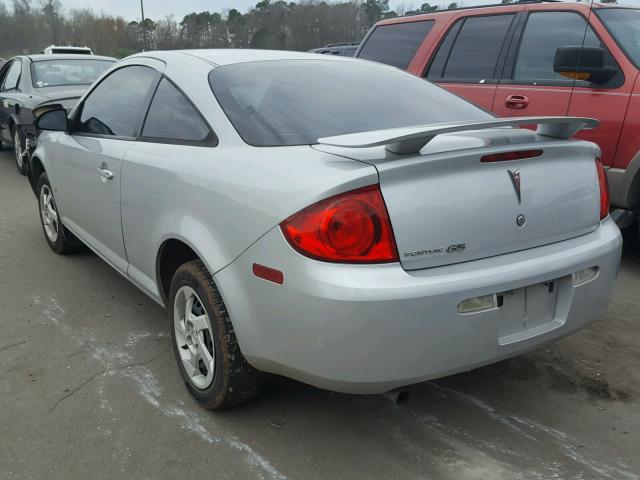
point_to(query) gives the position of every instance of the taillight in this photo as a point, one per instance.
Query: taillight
(508, 156)
(604, 190)
(352, 227)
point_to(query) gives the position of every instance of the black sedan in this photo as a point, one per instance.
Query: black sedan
(32, 81)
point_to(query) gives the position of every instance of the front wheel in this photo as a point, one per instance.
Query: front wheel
(19, 150)
(59, 238)
(209, 358)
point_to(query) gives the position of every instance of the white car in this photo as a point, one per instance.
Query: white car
(333, 220)
(63, 49)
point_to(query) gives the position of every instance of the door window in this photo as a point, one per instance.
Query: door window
(477, 43)
(173, 117)
(544, 33)
(13, 76)
(395, 44)
(115, 107)
(3, 72)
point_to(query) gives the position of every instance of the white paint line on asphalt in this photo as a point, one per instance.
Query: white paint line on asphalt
(572, 451)
(563, 440)
(136, 337)
(115, 362)
(504, 419)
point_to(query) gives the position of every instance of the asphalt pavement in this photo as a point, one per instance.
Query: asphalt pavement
(89, 389)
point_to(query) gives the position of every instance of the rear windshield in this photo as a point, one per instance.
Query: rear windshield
(56, 73)
(624, 26)
(395, 44)
(295, 102)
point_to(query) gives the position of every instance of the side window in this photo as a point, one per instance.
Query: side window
(13, 76)
(473, 47)
(116, 105)
(543, 34)
(395, 44)
(3, 73)
(173, 117)
(592, 40)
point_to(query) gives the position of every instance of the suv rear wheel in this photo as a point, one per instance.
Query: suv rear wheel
(209, 358)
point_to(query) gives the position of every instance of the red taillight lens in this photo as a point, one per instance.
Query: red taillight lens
(352, 227)
(508, 156)
(604, 190)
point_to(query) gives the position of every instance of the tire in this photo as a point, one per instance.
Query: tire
(18, 148)
(60, 239)
(229, 380)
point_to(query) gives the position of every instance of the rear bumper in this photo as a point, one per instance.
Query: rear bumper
(372, 328)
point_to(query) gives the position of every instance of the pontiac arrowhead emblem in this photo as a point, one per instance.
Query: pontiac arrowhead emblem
(515, 179)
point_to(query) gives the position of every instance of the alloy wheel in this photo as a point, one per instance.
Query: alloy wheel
(49, 214)
(17, 145)
(194, 337)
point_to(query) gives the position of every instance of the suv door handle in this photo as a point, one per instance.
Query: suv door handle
(517, 102)
(105, 173)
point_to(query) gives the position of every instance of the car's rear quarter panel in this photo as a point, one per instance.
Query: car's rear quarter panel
(219, 201)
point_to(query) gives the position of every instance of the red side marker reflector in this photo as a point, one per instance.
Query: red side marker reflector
(507, 156)
(266, 273)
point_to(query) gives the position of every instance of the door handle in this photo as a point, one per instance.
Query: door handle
(517, 102)
(105, 173)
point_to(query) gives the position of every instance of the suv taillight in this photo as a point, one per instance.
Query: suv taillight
(604, 190)
(352, 227)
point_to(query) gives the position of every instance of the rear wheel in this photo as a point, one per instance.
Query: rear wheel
(59, 238)
(209, 358)
(19, 150)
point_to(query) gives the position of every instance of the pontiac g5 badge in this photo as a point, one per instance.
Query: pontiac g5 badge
(515, 179)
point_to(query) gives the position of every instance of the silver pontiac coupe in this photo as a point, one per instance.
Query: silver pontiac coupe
(336, 221)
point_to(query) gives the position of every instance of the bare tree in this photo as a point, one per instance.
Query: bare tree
(275, 24)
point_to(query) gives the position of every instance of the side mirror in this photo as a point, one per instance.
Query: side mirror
(52, 118)
(583, 63)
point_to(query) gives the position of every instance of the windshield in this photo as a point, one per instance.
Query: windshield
(295, 102)
(624, 26)
(56, 73)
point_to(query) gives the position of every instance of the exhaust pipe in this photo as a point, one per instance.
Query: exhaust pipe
(398, 396)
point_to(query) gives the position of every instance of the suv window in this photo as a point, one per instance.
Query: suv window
(477, 43)
(116, 105)
(544, 33)
(13, 76)
(624, 25)
(173, 117)
(395, 44)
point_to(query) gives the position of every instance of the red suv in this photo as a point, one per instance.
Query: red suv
(534, 58)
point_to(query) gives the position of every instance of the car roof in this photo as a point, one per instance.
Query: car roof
(67, 56)
(483, 9)
(228, 56)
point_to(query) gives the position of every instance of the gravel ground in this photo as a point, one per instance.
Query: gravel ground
(89, 389)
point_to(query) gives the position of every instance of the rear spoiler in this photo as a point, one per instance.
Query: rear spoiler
(412, 139)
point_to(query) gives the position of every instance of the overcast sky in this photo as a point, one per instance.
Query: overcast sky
(156, 9)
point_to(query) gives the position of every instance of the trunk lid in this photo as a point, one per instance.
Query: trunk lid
(446, 206)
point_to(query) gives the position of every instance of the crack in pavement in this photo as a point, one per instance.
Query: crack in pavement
(75, 390)
(148, 387)
(7, 347)
(105, 371)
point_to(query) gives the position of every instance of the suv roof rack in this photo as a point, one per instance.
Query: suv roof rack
(417, 12)
(342, 44)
